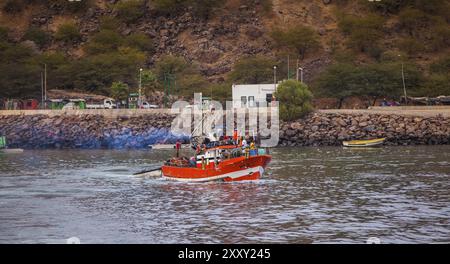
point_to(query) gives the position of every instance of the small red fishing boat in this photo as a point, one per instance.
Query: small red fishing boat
(220, 163)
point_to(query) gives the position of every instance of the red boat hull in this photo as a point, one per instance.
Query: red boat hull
(235, 169)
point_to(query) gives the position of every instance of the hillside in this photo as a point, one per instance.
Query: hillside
(208, 38)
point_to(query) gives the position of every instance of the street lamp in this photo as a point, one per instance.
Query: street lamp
(301, 74)
(403, 80)
(275, 75)
(140, 88)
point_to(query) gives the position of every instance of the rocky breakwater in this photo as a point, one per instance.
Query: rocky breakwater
(85, 131)
(326, 129)
(317, 129)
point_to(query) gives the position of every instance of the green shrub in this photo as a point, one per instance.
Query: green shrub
(140, 41)
(253, 70)
(434, 85)
(149, 81)
(68, 32)
(39, 36)
(413, 21)
(109, 23)
(386, 6)
(411, 46)
(200, 8)
(184, 77)
(219, 91)
(302, 39)
(13, 6)
(431, 30)
(295, 100)
(167, 5)
(4, 34)
(104, 41)
(442, 66)
(170, 64)
(364, 33)
(267, 6)
(187, 84)
(439, 37)
(131, 10)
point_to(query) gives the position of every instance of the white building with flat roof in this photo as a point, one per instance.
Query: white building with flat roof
(250, 95)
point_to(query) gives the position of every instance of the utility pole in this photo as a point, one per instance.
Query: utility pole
(275, 76)
(42, 90)
(301, 74)
(288, 66)
(403, 81)
(45, 85)
(140, 89)
(404, 86)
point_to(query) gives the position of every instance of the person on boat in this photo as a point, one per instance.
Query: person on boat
(244, 143)
(252, 145)
(203, 163)
(198, 149)
(192, 161)
(235, 136)
(178, 147)
(203, 148)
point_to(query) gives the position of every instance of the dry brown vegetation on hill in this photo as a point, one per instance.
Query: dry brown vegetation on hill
(88, 45)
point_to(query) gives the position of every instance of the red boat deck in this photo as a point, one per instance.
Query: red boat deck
(233, 169)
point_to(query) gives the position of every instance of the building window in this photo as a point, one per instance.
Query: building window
(243, 101)
(269, 98)
(251, 101)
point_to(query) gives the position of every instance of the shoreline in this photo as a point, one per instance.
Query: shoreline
(143, 128)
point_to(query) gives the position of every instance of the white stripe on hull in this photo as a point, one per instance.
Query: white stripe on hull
(233, 175)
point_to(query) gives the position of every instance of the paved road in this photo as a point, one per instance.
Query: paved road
(425, 111)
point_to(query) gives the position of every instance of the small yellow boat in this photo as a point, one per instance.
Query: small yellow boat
(364, 143)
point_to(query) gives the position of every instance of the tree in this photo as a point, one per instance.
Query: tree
(140, 41)
(200, 8)
(104, 41)
(253, 70)
(38, 36)
(119, 91)
(149, 81)
(435, 85)
(371, 81)
(338, 81)
(220, 91)
(3, 34)
(376, 80)
(302, 39)
(363, 33)
(68, 32)
(13, 6)
(295, 99)
(170, 64)
(130, 11)
(413, 21)
(98, 72)
(442, 66)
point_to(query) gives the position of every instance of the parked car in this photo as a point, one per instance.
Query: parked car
(105, 104)
(147, 105)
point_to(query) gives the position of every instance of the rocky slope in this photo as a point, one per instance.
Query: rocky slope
(239, 29)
